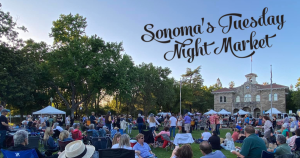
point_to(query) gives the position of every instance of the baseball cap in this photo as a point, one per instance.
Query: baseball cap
(4, 110)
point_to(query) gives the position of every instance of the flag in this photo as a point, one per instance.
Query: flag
(251, 58)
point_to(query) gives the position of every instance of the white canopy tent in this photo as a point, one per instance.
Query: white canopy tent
(49, 110)
(241, 112)
(210, 112)
(274, 111)
(224, 112)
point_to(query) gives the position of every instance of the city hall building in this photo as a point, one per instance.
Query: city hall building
(251, 97)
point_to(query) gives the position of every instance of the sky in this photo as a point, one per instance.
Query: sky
(124, 21)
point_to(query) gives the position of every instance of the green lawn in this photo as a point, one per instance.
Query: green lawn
(162, 153)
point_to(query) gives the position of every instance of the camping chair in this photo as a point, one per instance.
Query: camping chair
(266, 154)
(33, 142)
(101, 142)
(48, 151)
(161, 139)
(89, 135)
(148, 137)
(121, 131)
(62, 144)
(31, 153)
(116, 153)
(286, 156)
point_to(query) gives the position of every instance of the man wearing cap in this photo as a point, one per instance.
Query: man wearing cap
(3, 126)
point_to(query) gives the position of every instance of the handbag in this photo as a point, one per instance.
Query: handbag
(293, 129)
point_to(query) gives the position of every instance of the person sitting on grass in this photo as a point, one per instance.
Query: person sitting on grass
(184, 151)
(282, 148)
(228, 142)
(64, 136)
(205, 135)
(235, 135)
(143, 147)
(238, 126)
(206, 150)
(241, 137)
(284, 129)
(124, 143)
(214, 141)
(252, 145)
(159, 135)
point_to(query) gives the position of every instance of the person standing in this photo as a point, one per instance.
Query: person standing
(173, 125)
(108, 120)
(59, 120)
(1, 107)
(267, 127)
(42, 119)
(140, 122)
(187, 123)
(50, 121)
(4, 127)
(179, 123)
(259, 121)
(217, 121)
(212, 122)
(68, 122)
(93, 118)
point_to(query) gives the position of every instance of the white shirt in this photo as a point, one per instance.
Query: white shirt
(67, 120)
(42, 119)
(206, 135)
(59, 128)
(152, 124)
(173, 121)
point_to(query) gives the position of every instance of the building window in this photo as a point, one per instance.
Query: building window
(269, 97)
(224, 99)
(220, 99)
(237, 99)
(258, 98)
(275, 97)
(247, 98)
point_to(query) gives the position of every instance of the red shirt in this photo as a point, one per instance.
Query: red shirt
(235, 136)
(217, 119)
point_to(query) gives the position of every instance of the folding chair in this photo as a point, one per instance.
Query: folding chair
(31, 153)
(62, 144)
(89, 135)
(148, 137)
(116, 153)
(101, 142)
(266, 154)
(33, 142)
(48, 151)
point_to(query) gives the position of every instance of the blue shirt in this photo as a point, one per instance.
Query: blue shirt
(217, 154)
(259, 122)
(51, 143)
(187, 119)
(95, 133)
(247, 120)
(238, 127)
(140, 120)
(67, 139)
(293, 124)
(145, 149)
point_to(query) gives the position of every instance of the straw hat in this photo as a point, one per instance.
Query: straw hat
(77, 149)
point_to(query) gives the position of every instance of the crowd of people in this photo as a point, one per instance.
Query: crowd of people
(255, 136)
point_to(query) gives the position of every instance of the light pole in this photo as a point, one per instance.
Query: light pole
(51, 99)
(183, 79)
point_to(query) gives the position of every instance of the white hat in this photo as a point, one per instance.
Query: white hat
(77, 149)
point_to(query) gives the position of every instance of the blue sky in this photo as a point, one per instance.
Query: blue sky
(124, 21)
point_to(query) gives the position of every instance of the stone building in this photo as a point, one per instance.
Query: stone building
(251, 97)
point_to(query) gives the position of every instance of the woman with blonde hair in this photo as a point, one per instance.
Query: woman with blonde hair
(179, 123)
(48, 140)
(125, 144)
(64, 136)
(152, 123)
(116, 139)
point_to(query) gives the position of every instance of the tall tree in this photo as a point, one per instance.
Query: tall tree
(80, 65)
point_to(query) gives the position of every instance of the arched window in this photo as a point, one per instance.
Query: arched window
(237, 99)
(258, 98)
(269, 97)
(224, 99)
(220, 99)
(247, 98)
(275, 97)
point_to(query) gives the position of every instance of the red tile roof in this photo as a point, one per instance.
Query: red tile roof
(274, 85)
(224, 90)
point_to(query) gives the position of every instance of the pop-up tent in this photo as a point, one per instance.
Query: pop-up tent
(274, 111)
(49, 110)
(210, 112)
(224, 112)
(242, 112)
